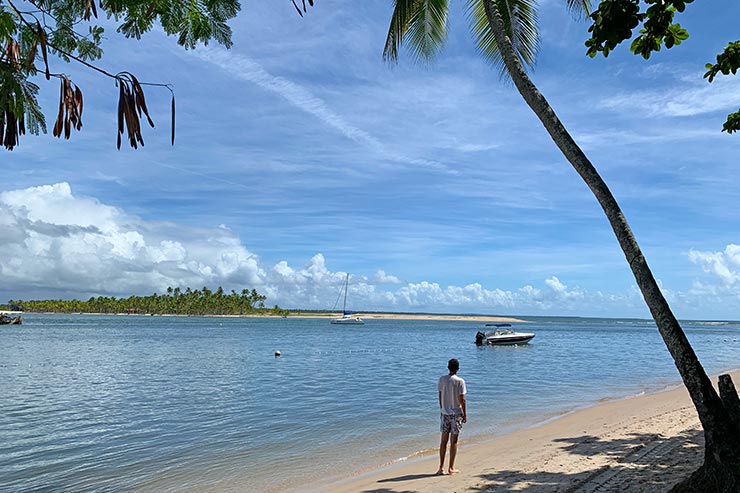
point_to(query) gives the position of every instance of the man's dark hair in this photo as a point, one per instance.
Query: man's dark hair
(453, 365)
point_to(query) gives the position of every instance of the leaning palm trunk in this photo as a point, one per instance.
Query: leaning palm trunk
(722, 437)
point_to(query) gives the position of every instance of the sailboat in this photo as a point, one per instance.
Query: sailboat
(347, 318)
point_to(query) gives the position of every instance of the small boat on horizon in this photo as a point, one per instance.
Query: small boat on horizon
(6, 320)
(502, 335)
(347, 318)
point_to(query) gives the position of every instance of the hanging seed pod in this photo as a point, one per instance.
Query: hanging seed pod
(139, 99)
(57, 131)
(90, 9)
(70, 109)
(310, 2)
(42, 40)
(11, 54)
(11, 127)
(32, 54)
(173, 119)
(120, 112)
(131, 107)
(78, 105)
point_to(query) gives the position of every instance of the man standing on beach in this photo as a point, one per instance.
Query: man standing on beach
(452, 392)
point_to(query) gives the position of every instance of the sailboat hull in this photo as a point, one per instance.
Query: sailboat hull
(348, 321)
(347, 318)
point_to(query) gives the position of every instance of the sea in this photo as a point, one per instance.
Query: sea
(163, 404)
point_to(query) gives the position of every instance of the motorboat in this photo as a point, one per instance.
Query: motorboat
(503, 334)
(6, 320)
(347, 318)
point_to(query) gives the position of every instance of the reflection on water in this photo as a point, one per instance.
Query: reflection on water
(178, 403)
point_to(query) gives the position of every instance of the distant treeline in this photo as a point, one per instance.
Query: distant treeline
(175, 302)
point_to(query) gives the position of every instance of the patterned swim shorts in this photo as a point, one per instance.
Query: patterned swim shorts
(450, 423)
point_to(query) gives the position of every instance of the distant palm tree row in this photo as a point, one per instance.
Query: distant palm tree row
(176, 302)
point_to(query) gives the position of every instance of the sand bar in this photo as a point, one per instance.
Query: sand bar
(325, 315)
(418, 316)
(641, 444)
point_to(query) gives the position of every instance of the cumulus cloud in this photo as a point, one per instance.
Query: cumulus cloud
(50, 238)
(725, 265)
(556, 285)
(382, 278)
(561, 290)
(54, 241)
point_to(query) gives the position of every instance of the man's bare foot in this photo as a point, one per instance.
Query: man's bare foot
(440, 472)
(453, 471)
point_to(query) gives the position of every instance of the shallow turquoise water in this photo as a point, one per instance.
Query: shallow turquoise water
(111, 403)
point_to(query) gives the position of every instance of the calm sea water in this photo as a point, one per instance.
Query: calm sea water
(112, 403)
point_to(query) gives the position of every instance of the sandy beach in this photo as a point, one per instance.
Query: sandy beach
(327, 315)
(642, 444)
(426, 316)
(418, 316)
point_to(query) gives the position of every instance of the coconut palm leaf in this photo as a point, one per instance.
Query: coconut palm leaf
(579, 8)
(520, 19)
(420, 23)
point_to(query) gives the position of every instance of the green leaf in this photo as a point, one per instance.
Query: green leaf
(422, 24)
(520, 19)
(8, 24)
(733, 123)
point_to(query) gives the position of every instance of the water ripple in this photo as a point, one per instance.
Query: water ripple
(176, 404)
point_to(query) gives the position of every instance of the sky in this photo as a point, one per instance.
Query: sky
(301, 156)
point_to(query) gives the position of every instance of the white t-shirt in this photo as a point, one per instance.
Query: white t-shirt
(451, 387)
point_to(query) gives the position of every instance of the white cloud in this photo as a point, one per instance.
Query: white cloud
(431, 296)
(696, 98)
(562, 292)
(300, 97)
(724, 265)
(54, 241)
(382, 278)
(556, 285)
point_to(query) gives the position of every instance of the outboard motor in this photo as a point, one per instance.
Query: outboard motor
(480, 338)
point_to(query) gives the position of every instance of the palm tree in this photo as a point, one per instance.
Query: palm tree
(506, 33)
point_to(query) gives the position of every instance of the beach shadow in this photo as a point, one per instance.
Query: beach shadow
(640, 463)
(587, 445)
(408, 477)
(383, 490)
(630, 449)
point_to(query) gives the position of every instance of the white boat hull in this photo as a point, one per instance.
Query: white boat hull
(348, 321)
(517, 338)
(501, 337)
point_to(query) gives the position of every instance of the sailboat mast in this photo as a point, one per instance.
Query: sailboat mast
(346, 287)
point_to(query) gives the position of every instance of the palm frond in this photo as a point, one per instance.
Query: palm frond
(580, 9)
(397, 30)
(520, 18)
(420, 23)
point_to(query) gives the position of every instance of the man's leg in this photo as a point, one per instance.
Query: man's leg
(442, 451)
(453, 453)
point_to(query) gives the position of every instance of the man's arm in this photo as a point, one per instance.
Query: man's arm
(440, 399)
(464, 409)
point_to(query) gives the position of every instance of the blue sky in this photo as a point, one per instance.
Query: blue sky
(301, 156)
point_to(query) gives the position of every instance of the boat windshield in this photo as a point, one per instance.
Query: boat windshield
(500, 332)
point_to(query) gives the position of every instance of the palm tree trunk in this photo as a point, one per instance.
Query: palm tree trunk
(721, 436)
